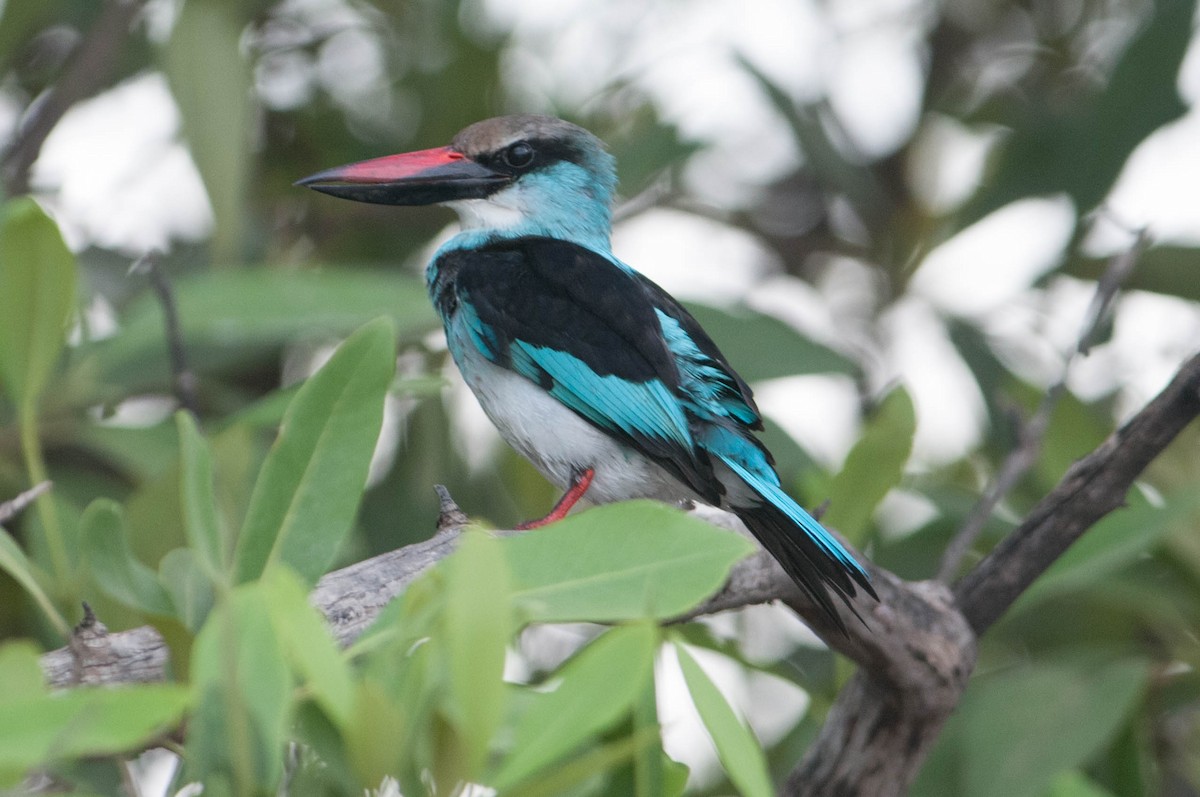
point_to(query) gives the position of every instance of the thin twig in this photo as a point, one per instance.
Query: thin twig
(1119, 268)
(1090, 489)
(182, 377)
(1024, 455)
(15, 506)
(654, 195)
(450, 516)
(86, 73)
(1032, 433)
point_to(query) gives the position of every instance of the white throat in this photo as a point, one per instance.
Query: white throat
(489, 214)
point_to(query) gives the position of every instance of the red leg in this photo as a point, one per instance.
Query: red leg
(580, 482)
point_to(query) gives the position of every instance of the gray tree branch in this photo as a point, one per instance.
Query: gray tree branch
(917, 657)
(87, 71)
(1031, 433)
(1091, 488)
(19, 503)
(183, 378)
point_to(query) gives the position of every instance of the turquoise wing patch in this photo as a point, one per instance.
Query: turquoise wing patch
(640, 409)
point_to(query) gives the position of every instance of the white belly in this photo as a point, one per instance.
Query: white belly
(558, 442)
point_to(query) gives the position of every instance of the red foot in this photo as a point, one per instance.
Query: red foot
(580, 482)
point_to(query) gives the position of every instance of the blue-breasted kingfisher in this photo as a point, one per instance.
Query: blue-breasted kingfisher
(591, 371)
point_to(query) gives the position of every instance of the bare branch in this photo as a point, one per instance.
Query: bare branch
(915, 663)
(87, 71)
(94, 656)
(654, 195)
(1120, 266)
(183, 378)
(450, 517)
(15, 506)
(1032, 433)
(916, 654)
(352, 597)
(1091, 488)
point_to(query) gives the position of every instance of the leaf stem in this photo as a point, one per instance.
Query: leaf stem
(35, 464)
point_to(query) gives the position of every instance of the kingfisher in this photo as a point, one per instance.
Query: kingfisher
(587, 368)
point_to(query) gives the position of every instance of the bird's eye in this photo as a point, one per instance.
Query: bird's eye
(519, 155)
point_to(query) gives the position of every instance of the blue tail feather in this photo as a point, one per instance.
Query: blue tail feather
(813, 557)
(748, 461)
(808, 524)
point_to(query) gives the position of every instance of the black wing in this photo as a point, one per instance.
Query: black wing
(586, 330)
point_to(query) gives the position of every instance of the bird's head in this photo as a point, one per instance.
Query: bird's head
(508, 176)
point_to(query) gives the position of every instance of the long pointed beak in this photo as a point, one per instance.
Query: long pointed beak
(426, 177)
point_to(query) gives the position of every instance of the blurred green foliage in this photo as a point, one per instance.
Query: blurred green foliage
(213, 527)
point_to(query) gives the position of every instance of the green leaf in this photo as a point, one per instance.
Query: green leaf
(477, 623)
(873, 466)
(323, 767)
(21, 674)
(381, 733)
(190, 589)
(761, 347)
(595, 688)
(19, 24)
(739, 752)
(1117, 541)
(37, 298)
(311, 649)
(1075, 428)
(236, 317)
(1075, 784)
(675, 777)
(310, 485)
(1079, 143)
(114, 567)
(567, 778)
(215, 105)
(141, 453)
(627, 561)
(654, 773)
(85, 721)
(643, 145)
(14, 562)
(198, 500)
(1007, 717)
(242, 689)
(404, 621)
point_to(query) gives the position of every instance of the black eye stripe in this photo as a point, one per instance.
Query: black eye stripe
(529, 154)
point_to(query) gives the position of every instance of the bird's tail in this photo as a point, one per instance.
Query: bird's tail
(813, 557)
